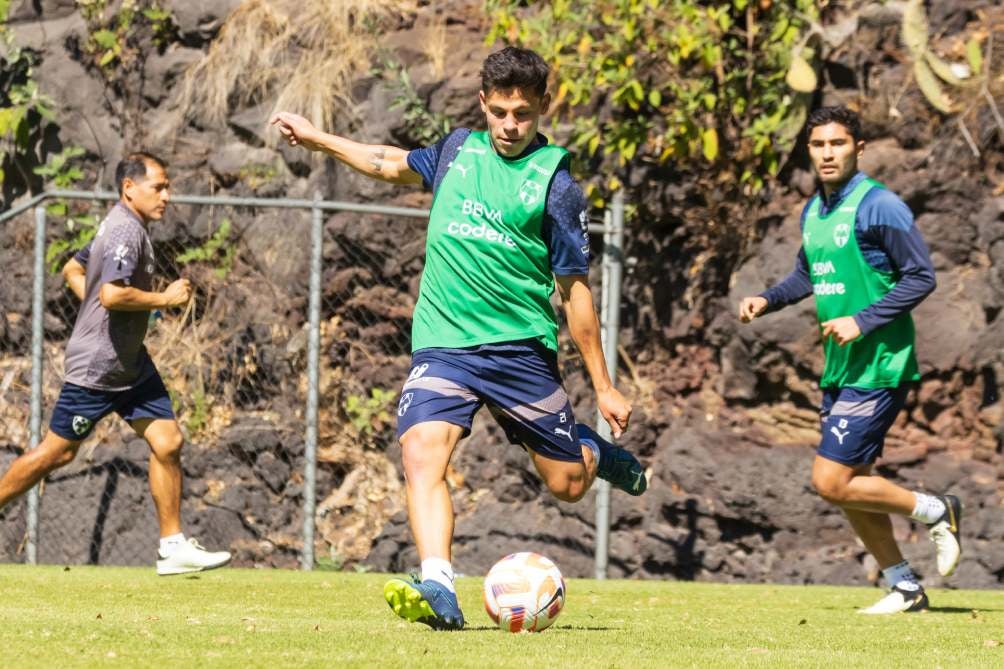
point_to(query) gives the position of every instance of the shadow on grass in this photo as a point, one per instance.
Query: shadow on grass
(933, 609)
(557, 628)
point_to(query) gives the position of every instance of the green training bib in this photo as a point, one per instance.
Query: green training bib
(844, 284)
(487, 276)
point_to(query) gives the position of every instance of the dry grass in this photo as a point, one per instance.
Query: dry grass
(435, 46)
(301, 54)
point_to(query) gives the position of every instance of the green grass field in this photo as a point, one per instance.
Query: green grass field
(89, 616)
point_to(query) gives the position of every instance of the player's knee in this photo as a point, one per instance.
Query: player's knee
(63, 455)
(168, 447)
(568, 487)
(58, 454)
(832, 489)
(421, 459)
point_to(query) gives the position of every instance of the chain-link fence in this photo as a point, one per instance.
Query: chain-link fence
(283, 371)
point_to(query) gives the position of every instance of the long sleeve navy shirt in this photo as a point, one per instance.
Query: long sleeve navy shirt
(889, 242)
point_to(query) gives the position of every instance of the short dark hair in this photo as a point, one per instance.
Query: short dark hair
(513, 67)
(134, 165)
(836, 114)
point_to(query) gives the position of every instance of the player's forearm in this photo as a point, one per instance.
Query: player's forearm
(125, 298)
(373, 160)
(75, 276)
(792, 289)
(584, 327)
(909, 292)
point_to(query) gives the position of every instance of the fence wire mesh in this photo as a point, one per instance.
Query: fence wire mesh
(236, 364)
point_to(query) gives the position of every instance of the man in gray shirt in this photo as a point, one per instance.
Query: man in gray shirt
(108, 368)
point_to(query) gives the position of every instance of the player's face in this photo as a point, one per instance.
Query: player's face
(148, 196)
(512, 117)
(834, 153)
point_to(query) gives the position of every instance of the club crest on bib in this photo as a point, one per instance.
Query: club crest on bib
(841, 235)
(81, 425)
(530, 193)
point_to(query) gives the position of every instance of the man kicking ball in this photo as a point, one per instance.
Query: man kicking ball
(507, 223)
(867, 264)
(107, 366)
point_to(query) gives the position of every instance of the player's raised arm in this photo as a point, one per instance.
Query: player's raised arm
(386, 163)
(115, 296)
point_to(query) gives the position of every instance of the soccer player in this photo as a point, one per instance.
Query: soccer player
(507, 223)
(867, 264)
(108, 368)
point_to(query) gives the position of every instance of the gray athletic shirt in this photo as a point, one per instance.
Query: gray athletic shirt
(106, 350)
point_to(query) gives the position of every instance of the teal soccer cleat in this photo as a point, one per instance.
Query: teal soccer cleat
(616, 465)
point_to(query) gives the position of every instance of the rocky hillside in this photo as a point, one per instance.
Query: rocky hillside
(726, 415)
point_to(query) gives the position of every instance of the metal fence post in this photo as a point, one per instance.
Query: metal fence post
(613, 239)
(37, 335)
(313, 375)
(259, 390)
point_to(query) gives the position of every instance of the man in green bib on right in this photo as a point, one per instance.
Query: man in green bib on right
(868, 267)
(507, 228)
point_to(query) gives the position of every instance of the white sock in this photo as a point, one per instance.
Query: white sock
(170, 543)
(901, 575)
(438, 570)
(928, 508)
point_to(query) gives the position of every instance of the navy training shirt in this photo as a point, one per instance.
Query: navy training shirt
(889, 242)
(564, 227)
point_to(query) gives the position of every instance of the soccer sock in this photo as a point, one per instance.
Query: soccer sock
(169, 544)
(438, 570)
(594, 447)
(902, 576)
(928, 508)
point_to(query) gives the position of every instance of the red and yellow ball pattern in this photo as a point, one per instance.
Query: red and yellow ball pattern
(524, 592)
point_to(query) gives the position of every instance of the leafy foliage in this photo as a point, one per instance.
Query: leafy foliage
(700, 85)
(425, 127)
(25, 114)
(369, 414)
(62, 171)
(219, 250)
(116, 40)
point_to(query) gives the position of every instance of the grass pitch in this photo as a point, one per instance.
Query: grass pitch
(129, 617)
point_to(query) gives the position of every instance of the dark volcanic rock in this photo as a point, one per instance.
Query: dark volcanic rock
(725, 415)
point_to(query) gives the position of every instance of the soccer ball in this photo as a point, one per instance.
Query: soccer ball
(524, 592)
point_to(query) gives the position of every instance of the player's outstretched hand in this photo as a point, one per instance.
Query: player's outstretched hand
(751, 307)
(178, 293)
(615, 410)
(844, 329)
(296, 130)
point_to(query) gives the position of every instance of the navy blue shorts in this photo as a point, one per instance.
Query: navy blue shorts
(855, 422)
(521, 387)
(78, 409)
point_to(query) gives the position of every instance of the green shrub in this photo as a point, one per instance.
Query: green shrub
(700, 85)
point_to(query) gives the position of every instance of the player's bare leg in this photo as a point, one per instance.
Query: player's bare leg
(176, 555)
(52, 453)
(568, 481)
(426, 449)
(867, 501)
(856, 488)
(165, 440)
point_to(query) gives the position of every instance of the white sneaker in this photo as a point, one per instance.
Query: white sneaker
(899, 600)
(946, 535)
(190, 557)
